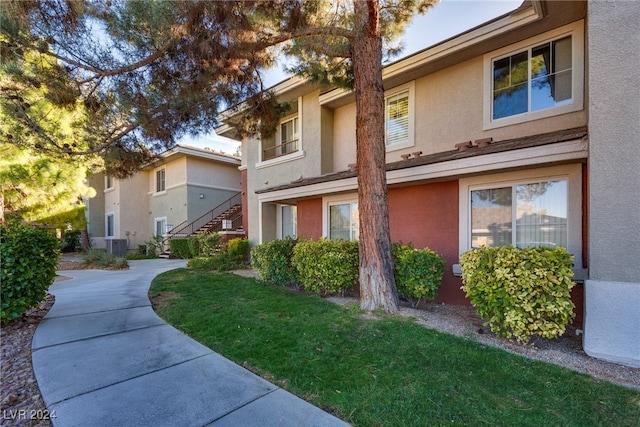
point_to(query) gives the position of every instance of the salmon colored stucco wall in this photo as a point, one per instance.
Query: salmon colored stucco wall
(245, 202)
(310, 218)
(427, 216)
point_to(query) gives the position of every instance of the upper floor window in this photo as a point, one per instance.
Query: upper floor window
(534, 79)
(286, 138)
(398, 121)
(160, 180)
(108, 182)
(537, 78)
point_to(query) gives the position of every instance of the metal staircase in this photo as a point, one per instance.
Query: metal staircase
(226, 217)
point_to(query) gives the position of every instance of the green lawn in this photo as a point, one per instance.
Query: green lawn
(381, 372)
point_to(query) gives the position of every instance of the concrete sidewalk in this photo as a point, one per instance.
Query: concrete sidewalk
(103, 358)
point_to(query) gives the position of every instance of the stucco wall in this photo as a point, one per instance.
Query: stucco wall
(449, 108)
(427, 216)
(612, 293)
(214, 175)
(134, 210)
(310, 218)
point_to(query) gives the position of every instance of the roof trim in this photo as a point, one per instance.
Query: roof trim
(565, 145)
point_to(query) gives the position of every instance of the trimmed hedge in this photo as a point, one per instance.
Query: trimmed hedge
(28, 259)
(238, 249)
(326, 266)
(418, 272)
(180, 248)
(272, 261)
(522, 292)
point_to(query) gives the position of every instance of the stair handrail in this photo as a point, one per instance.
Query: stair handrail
(193, 226)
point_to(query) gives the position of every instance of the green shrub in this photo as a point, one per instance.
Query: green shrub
(208, 244)
(326, 266)
(180, 248)
(219, 262)
(418, 272)
(28, 259)
(522, 292)
(272, 261)
(70, 241)
(238, 250)
(194, 246)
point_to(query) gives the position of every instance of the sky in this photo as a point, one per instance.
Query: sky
(447, 19)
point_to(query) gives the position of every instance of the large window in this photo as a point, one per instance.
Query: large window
(533, 79)
(343, 221)
(522, 214)
(536, 78)
(160, 180)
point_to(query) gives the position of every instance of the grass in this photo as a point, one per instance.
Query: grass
(387, 371)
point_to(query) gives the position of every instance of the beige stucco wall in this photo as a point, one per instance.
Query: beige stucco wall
(449, 106)
(134, 210)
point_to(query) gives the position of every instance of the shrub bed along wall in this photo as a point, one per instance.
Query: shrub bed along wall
(521, 292)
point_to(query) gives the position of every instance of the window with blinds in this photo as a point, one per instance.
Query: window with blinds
(397, 118)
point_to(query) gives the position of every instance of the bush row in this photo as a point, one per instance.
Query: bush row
(331, 267)
(28, 259)
(522, 292)
(208, 252)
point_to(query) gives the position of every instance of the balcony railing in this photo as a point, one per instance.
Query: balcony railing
(280, 150)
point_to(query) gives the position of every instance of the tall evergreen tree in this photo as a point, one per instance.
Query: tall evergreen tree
(147, 72)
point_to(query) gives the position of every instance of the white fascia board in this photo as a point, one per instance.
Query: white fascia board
(204, 154)
(347, 184)
(560, 152)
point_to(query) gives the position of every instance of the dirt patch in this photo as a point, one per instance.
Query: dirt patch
(160, 300)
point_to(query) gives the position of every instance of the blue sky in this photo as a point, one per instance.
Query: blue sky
(445, 20)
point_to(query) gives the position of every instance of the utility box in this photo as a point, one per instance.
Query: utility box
(117, 247)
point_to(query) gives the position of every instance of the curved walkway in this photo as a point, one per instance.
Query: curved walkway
(102, 357)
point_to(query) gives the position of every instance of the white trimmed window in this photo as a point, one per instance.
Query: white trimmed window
(286, 144)
(108, 182)
(534, 79)
(343, 221)
(399, 117)
(288, 221)
(522, 214)
(110, 225)
(160, 180)
(160, 226)
(527, 208)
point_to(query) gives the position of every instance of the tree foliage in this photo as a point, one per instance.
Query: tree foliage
(145, 72)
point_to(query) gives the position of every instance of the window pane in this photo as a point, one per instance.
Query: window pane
(551, 74)
(541, 214)
(289, 214)
(491, 217)
(110, 226)
(344, 222)
(510, 92)
(160, 186)
(397, 118)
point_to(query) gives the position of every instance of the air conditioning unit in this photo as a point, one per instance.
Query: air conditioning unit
(117, 247)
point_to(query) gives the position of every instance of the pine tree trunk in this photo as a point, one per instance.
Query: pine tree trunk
(377, 283)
